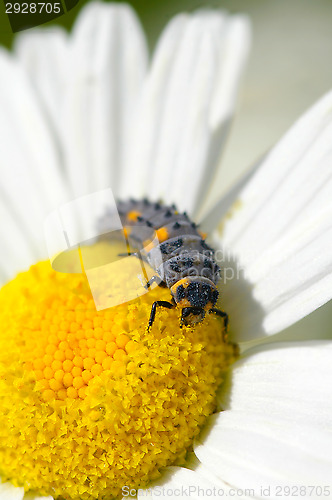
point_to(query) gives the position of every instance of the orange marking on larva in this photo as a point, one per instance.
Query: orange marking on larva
(133, 215)
(162, 234)
(204, 235)
(184, 282)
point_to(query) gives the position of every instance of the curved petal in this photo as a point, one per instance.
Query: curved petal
(211, 219)
(187, 101)
(276, 430)
(107, 67)
(31, 180)
(280, 231)
(17, 253)
(44, 55)
(287, 379)
(196, 484)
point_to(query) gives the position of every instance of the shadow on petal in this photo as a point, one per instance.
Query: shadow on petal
(246, 315)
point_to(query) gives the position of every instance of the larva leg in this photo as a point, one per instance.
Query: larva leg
(160, 303)
(155, 279)
(222, 314)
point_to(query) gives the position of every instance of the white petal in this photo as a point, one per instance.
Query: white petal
(187, 101)
(277, 428)
(288, 379)
(10, 492)
(182, 483)
(108, 63)
(17, 253)
(281, 228)
(44, 55)
(30, 173)
(252, 450)
(210, 220)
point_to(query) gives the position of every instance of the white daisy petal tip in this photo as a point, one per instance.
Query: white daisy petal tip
(25, 43)
(103, 15)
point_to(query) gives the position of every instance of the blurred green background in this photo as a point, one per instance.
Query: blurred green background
(289, 69)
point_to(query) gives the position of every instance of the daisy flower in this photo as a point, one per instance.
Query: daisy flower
(92, 404)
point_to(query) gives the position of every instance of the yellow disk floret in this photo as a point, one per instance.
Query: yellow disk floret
(90, 401)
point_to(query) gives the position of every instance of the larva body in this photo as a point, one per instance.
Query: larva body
(173, 246)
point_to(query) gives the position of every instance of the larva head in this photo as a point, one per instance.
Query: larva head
(196, 295)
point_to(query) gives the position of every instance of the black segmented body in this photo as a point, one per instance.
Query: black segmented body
(180, 255)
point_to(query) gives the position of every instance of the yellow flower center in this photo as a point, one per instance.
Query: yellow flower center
(91, 401)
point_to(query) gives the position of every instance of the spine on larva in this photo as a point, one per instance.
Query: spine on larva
(180, 250)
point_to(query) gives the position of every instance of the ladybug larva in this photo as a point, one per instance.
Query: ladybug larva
(180, 257)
